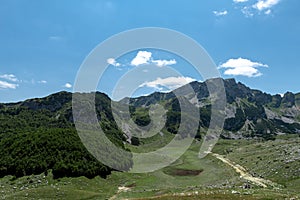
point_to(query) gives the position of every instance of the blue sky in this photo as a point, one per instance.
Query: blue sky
(43, 43)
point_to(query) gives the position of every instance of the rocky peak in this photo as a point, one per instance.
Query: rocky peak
(288, 100)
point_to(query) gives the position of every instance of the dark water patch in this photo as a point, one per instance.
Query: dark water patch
(182, 172)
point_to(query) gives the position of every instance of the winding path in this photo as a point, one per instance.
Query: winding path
(244, 174)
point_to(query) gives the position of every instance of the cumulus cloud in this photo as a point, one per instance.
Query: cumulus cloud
(171, 83)
(220, 13)
(142, 57)
(113, 62)
(265, 4)
(162, 63)
(68, 85)
(145, 57)
(242, 67)
(9, 77)
(7, 85)
(8, 81)
(261, 6)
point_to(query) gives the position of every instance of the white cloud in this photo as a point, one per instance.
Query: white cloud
(145, 57)
(42, 81)
(265, 4)
(239, 1)
(220, 13)
(247, 11)
(242, 67)
(261, 6)
(170, 83)
(113, 62)
(9, 77)
(162, 63)
(68, 85)
(6, 85)
(267, 12)
(142, 57)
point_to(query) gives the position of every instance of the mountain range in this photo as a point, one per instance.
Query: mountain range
(38, 135)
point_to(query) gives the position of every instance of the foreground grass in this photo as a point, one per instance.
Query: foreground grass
(215, 179)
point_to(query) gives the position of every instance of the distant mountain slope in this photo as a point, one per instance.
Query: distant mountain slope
(249, 112)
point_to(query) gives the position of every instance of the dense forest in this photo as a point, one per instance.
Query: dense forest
(38, 135)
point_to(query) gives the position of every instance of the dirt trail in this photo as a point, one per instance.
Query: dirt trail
(120, 189)
(244, 174)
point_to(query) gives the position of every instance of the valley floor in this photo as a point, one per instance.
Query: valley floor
(236, 169)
